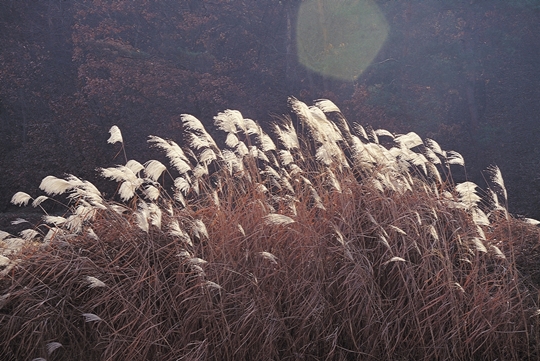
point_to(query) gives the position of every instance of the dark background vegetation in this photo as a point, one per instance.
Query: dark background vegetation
(464, 73)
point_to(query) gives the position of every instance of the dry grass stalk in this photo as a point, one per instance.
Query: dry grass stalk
(288, 263)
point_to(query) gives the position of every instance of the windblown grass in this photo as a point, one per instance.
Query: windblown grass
(321, 245)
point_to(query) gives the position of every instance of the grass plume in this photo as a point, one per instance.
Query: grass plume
(310, 243)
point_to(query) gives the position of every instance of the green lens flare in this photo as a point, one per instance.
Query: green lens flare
(339, 38)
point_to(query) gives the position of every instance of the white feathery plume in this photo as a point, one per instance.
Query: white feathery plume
(360, 154)
(497, 251)
(254, 151)
(229, 121)
(175, 230)
(435, 147)
(316, 198)
(495, 200)
(433, 232)
(199, 138)
(51, 346)
(259, 154)
(90, 193)
(326, 106)
(74, 181)
(333, 181)
(213, 285)
(127, 190)
(241, 149)
(182, 185)
(197, 261)
(119, 209)
(458, 287)
(39, 200)
(155, 215)
(116, 135)
(359, 129)
(307, 118)
(481, 233)
(380, 154)
(372, 136)
(52, 185)
(82, 213)
(479, 217)
(241, 229)
(398, 230)
(251, 127)
(3, 299)
(198, 270)
(277, 219)
(295, 170)
(431, 156)
(479, 245)
(4, 235)
(234, 163)
(497, 178)
(269, 256)
(28, 234)
(134, 166)
(324, 155)
(199, 171)
(94, 282)
(154, 169)
(532, 221)
(52, 233)
(184, 254)
(191, 123)
(285, 157)
(195, 182)
(120, 173)
(199, 229)
(467, 193)
(4, 261)
(198, 142)
(329, 129)
(433, 172)
(384, 133)
(271, 172)
(13, 245)
(54, 220)
(141, 217)
(287, 135)
(151, 192)
(409, 140)
(420, 161)
(267, 144)
(90, 232)
(175, 154)
(130, 182)
(455, 158)
(207, 155)
(232, 140)
(90, 317)
(20, 199)
(394, 259)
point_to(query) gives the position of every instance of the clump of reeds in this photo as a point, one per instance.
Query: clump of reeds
(304, 245)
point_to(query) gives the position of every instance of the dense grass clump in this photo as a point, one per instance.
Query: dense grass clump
(321, 246)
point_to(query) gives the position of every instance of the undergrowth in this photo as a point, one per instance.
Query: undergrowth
(318, 243)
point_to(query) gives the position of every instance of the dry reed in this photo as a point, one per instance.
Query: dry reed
(322, 246)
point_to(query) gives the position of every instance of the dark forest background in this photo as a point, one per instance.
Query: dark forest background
(465, 73)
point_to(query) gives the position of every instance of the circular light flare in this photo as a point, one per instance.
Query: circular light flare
(339, 38)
